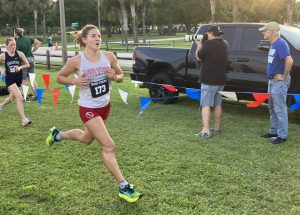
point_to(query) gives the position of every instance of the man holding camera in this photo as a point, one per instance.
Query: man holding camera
(213, 54)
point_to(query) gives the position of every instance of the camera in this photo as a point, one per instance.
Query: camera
(200, 37)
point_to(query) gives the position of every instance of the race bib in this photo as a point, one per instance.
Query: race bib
(99, 88)
(12, 69)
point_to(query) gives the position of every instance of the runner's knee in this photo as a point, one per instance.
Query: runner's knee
(86, 141)
(109, 146)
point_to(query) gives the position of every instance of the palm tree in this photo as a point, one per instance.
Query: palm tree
(35, 6)
(213, 9)
(145, 4)
(18, 5)
(46, 5)
(124, 18)
(99, 14)
(132, 4)
(290, 4)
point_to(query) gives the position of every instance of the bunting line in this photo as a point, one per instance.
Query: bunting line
(192, 93)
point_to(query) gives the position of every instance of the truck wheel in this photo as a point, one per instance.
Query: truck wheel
(160, 94)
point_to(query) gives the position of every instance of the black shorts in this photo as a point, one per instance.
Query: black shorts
(10, 80)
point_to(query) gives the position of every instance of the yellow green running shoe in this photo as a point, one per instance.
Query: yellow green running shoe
(52, 136)
(129, 194)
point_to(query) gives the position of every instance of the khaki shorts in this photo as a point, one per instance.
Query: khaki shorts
(25, 72)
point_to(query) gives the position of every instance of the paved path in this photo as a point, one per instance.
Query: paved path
(124, 58)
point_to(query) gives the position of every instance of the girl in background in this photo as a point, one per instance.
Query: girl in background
(14, 62)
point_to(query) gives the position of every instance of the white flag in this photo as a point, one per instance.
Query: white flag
(136, 83)
(32, 79)
(72, 89)
(231, 95)
(25, 91)
(123, 96)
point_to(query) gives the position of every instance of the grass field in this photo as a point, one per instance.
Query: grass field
(235, 172)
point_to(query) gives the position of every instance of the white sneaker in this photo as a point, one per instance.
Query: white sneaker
(202, 134)
(26, 122)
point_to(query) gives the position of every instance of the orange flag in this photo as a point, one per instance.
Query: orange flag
(260, 98)
(55, 94)
(169, 87)
(46, 78)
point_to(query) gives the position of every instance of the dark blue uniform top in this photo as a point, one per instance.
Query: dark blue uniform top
(12, 76)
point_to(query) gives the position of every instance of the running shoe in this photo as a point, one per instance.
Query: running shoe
(268, 135)
(26, 122)
(203, 134)
(129, 194)
(52, 136)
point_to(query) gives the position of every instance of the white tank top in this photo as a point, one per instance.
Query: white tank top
(97, 94)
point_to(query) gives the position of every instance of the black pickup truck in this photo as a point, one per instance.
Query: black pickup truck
(247, 63)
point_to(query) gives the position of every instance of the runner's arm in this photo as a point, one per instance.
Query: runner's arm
(70, 67)
(118, 75)
(2, 58)
(36, 44)
(25, 62)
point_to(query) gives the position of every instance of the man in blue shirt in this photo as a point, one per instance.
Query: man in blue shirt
(279, 66)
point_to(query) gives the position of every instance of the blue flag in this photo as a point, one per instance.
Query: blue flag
(3, 78)
(39, 95)
(67, 87)
(296, 106)
(193, 93)
(145, 102)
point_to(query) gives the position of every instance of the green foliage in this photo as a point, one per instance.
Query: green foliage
(161, 13)
(231, 173)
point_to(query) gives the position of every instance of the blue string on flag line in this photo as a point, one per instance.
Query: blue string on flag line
(241, 92)
(157, 84)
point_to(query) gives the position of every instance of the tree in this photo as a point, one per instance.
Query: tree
(19, 7)
(213, 9)
(145, 4)
(289, 7)
(46, 9)
(164, 12)
(124, 18)
(99, 14)
(189, 15)
(132, 4)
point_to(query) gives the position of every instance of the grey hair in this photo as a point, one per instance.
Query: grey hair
(276, 33)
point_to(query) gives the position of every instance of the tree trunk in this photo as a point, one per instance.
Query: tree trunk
(213, 10)
(235, 10)
(119, 13)
(99, 15)
(125, 19)
(35, 12)
(44, 24)
(133, 14)
(144, 21)
(18, 21)
(188, 28)
(290, 12)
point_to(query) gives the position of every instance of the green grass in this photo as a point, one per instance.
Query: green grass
(232, 173)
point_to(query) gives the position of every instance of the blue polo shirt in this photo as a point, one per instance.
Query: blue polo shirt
(276, 57)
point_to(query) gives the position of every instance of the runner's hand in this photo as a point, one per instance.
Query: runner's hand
(81, 82)
(17, 69)
(111, 74)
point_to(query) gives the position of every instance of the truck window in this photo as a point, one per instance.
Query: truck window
(250, 39)
(229, 34)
